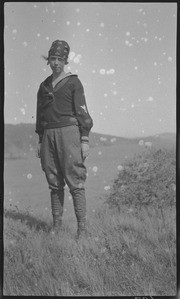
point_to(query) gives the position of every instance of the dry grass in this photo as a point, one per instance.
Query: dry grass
(123, 255)
(129, 251)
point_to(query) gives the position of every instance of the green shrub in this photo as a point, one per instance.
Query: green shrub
(147, 179)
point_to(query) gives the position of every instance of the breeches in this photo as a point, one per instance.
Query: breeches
(61, 159)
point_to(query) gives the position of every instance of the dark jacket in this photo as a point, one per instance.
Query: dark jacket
(63, 105)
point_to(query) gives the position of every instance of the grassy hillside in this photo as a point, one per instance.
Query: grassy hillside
(130, 249)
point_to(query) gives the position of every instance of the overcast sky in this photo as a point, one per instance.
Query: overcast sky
(123, 53)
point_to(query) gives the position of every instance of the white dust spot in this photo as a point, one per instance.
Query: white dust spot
(99, 153)
(120, 167)
(47, 37)
(25, 44)
(102, 25)
(155, 63)
(173, 186)
(77, 9)
(77, 58)
(78, 23)
(14, 31)
(71, 55)
(10, 199)
(23, 111)
(111, 71)
(103, 250)
(46, 208)
(102, 71)
(29, 176)
(122, 99)
(53, 11)
(87, 30)
(135, 67)
(107, 188)
(170, 59)
(148, 143)
(80, 185)
(115, 92)
(128, 33)
(141, 142)
(38, 34)
(106, 106)
(68, 23)
(132, 106)
(123, 187)
(103, 138)
(150, 99)
(113, 139)
(145, 39)
(127, 42)
(140, 10)
(95, 169)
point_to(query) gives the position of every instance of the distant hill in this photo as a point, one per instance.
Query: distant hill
(21, 138)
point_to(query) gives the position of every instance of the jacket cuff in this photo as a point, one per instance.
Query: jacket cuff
(85, 139)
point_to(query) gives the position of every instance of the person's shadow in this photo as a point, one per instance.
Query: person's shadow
(28, 219)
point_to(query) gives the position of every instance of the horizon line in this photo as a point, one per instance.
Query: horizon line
(113, 135)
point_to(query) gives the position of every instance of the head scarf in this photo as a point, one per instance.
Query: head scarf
(59, 48)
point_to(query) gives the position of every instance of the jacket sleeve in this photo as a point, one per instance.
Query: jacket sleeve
(39, 129)
(81, 111)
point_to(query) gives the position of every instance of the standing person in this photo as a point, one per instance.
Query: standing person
(63, 124)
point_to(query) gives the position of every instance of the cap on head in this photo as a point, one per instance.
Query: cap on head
(59, 48)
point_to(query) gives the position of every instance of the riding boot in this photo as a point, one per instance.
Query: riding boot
(79, 201)
(57, 203)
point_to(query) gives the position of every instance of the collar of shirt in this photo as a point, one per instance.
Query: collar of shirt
(61, 77)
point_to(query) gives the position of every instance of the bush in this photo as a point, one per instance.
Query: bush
(147, 179)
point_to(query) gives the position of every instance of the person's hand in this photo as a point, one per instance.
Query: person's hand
(85, 150)
(38, 149)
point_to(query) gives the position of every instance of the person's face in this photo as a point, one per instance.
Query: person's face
(57, 64)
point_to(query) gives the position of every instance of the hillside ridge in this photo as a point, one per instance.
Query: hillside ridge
(21, 138)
